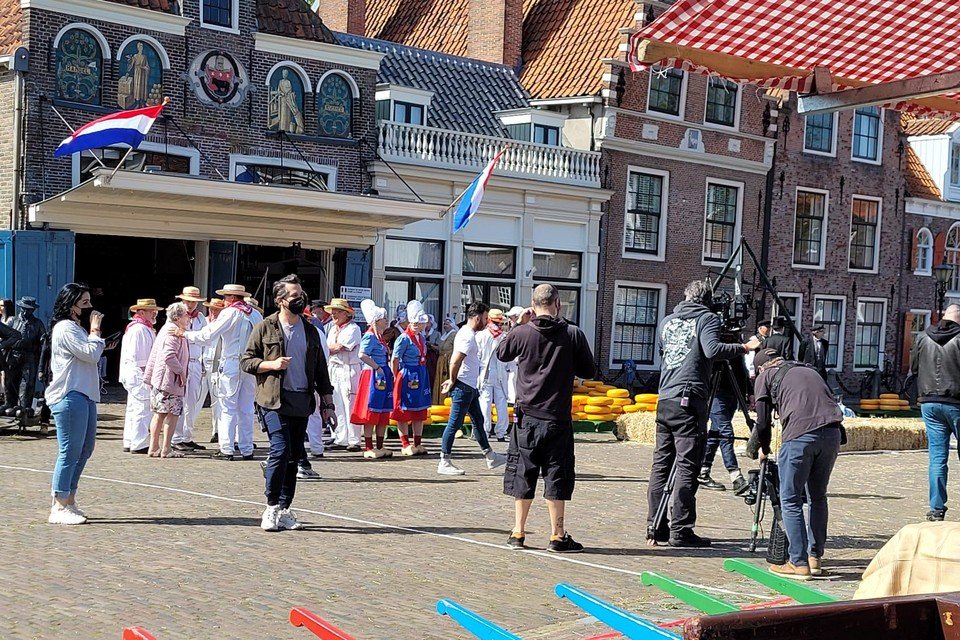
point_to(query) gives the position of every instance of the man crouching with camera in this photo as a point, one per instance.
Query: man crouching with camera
(812, 433)
(690, 342)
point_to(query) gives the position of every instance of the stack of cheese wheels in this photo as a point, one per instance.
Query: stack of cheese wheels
(619, 399)
(886, 402)
(645, 401)
(579, 402)
(598, 408)
(439, 413)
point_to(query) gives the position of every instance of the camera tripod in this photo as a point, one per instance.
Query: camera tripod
(720, 369)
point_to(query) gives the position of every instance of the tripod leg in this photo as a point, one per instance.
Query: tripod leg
(758, 506)
(660, 517)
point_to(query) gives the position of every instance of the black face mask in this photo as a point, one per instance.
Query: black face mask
(85, 314)
(297, 306)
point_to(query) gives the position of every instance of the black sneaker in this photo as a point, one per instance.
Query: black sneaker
(566, 544)
(195, 446)
(248, 457)
(353, 448)
(214, 439)
(141, 452)
(219, 455)
(936, 515)
(514, 542)
(126, 449)
(709, 483)
(689, 539)
(740, 486)
(182, 447)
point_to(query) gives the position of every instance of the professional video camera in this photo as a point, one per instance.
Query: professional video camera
(733, 309)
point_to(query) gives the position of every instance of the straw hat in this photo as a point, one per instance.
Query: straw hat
(515, 312)
(215, 303)
(496, 315)
(191, 294)
(339, 303)
(253, 302)
(145, 304)
(234, 290)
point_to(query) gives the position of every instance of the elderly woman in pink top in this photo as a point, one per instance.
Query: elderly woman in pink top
(166, 374)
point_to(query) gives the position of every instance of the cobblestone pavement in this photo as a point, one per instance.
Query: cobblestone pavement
(175, 545)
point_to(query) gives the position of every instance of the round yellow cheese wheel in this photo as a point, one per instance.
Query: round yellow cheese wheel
(579, 415)
(592, 383)
(620, 402)
(647, 407)
(599, 401)
(618, 393)
(393, 422)
(428, 420)
(607, 417)
(447, 402)
(890, 406)
(870, 405)
(642, 398)
(580, 397)
(594, 409)
(581, 389)
(631, 408)
(605, 387)
(889, 396)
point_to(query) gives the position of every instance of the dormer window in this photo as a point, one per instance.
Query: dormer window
(222, 15)
(533, 125)
(405, 105)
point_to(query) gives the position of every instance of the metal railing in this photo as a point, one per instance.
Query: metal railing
(405, 143)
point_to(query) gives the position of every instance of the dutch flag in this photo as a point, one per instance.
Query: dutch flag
(125, 127)
(471, 197)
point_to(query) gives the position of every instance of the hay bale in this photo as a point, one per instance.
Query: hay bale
(863, 434)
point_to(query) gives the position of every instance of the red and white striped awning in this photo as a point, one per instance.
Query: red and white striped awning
(779, 43)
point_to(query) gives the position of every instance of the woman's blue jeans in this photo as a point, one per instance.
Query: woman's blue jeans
(76, 419)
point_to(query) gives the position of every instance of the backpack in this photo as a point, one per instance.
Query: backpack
(777, 380)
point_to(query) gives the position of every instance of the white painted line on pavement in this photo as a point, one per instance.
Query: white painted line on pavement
(383, 525)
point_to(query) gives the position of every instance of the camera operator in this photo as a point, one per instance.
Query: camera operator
(720, 435)
(812, 434)
(690, 341)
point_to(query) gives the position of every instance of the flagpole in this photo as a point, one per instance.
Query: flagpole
(119, 164)
(72, 130)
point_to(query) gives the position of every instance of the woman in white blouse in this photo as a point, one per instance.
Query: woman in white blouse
(72, 395)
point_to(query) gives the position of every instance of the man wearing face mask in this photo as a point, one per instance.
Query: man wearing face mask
(135, 349)
(23, 359)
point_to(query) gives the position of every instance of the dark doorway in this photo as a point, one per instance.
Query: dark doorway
(120, 270)
(259, 267)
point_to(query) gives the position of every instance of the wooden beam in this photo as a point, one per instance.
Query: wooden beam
(911, 89)
(649, 51)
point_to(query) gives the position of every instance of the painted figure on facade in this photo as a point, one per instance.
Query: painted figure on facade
(141, 84)
(285, 101)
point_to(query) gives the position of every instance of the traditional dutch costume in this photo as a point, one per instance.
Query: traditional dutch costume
(374, 399)
(412, 392)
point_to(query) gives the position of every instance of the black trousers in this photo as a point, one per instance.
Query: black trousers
(21, 379)
(681, 436)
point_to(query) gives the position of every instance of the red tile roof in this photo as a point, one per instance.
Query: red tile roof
(153, 5)
(293, 19)
(563, 40)
(927, 126)
(919, 182)
(10, 26)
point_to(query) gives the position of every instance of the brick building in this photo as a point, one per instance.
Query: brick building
(257, 169)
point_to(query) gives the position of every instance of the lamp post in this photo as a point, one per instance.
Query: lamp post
(944, 274)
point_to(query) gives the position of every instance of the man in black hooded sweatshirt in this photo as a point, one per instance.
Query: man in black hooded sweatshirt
(935, 360)
(689, 343)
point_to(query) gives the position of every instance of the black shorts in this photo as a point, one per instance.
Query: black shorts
(540, 447)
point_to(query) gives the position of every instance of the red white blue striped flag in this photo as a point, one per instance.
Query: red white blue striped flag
(124, 127)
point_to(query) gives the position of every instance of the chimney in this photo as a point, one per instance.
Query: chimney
(495, 31)
(345, 16)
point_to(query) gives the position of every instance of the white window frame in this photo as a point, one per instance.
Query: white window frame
(954, 157)
(397, 93)
(661, 314)
(737, 225)
(883, 333)
(843, 325)
(156, 147)
(736, 108)
(331, 171)
(876, 240)
(929, 270)
(661, 254)
(833, 143)
(683, 97)
(952, 292)
(823, 229)
(853, 135)
(926, 313)
(234, 19)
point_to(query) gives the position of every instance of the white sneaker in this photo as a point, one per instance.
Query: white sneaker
(271, 518)
(63, 515)
(494, 459)
(288, 520)
(77, 510)
(305, 473)
(447, 468)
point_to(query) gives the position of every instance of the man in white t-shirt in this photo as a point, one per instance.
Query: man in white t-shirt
(463, 387)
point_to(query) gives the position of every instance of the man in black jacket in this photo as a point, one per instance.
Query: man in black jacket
(935, 360)
(813, 351)
(549, 352)
(690, 342)
(780, 341)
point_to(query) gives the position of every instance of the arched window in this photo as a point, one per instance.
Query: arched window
(951, 255)
(286, 86)
(81, 52)
(140, 64)
(335, 96)
(924, 256)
